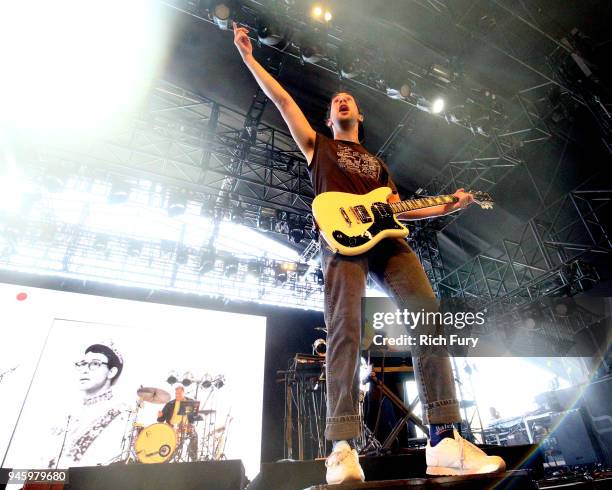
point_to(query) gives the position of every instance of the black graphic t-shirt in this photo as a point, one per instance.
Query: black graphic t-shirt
(344, 166)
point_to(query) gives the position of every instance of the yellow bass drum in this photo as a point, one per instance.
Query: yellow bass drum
(155, 444)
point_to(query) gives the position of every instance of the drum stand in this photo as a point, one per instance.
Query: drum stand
(408, 415)
(127, 454)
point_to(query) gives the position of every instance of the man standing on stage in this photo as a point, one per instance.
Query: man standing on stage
(342, 164)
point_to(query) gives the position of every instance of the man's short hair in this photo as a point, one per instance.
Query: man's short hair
(360, 130)
(115, 360)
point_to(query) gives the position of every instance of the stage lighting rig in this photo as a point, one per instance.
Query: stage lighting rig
(255, 268)
(270, 33)
(319, 347)
(321, 14)
(230, 267)
(187, 379)
(437, 106)
(296, 229)
(312, 49)
(221, 13)
(207, 260)
(172, 378)
(441, 73)
(349, 64)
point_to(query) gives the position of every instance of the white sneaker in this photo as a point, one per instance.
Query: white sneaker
(343, 465)
(460, 457)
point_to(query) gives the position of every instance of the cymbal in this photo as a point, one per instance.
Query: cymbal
(206, 412)
(153, 395)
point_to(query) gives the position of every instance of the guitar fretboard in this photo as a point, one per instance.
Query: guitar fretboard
(424, 202)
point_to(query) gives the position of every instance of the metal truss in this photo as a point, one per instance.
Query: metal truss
(178, 144)
(424, 241)
(192, 145)
(482, 163)
(551, 255)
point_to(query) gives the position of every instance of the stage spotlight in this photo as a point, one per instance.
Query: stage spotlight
(177, 203)
(221, 13)
(327, 16)
(296, 229)
(282, 269)
(399, 90)
(270, 33)
(187, 379)
(438, 106)
(318, 276)
(254, 268)
(311, 52)
(219, 381)
(206, 382)
(265, 223)
(441, 73)
(119, 193)
(317, 12)
(349, 65)
(237, 215)
(296, 235)
(207, 260)
(172, 378)
(134, 248)
(230, 268)
(319, 347)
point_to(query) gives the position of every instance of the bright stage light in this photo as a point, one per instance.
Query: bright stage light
(317, 12)
(327, 16)
(76, 64)
(438, 106)
(221, 16)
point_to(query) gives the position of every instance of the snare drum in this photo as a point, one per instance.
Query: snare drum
(155, 444)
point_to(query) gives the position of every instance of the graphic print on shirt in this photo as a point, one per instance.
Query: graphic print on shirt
(357, 162)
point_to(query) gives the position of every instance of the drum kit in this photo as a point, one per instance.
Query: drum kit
(197, 438)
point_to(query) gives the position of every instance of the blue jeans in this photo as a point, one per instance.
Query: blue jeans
(397, 269)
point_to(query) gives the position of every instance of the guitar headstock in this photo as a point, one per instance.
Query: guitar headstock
(483, 199)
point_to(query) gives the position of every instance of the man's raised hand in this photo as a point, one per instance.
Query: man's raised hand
(242, 41)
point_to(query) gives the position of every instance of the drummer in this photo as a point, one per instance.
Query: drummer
(169, 414)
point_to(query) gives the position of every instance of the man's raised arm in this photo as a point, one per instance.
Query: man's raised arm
(302, 132)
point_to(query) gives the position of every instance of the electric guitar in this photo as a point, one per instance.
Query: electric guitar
(352, 224)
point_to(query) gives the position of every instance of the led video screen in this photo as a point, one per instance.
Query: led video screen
(88, 380)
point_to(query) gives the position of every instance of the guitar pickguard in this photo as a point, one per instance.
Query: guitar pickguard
(383, 220)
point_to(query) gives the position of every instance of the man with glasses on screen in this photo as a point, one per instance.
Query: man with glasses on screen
(93, 431)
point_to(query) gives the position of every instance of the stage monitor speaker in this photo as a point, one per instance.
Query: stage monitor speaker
(201, 475)
(573, 438)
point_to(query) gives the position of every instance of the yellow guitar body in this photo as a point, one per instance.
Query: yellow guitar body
(352, 224)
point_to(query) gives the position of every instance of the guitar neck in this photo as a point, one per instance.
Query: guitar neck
(424, 202)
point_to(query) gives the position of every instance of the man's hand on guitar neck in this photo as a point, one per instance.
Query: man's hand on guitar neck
(464, 200)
